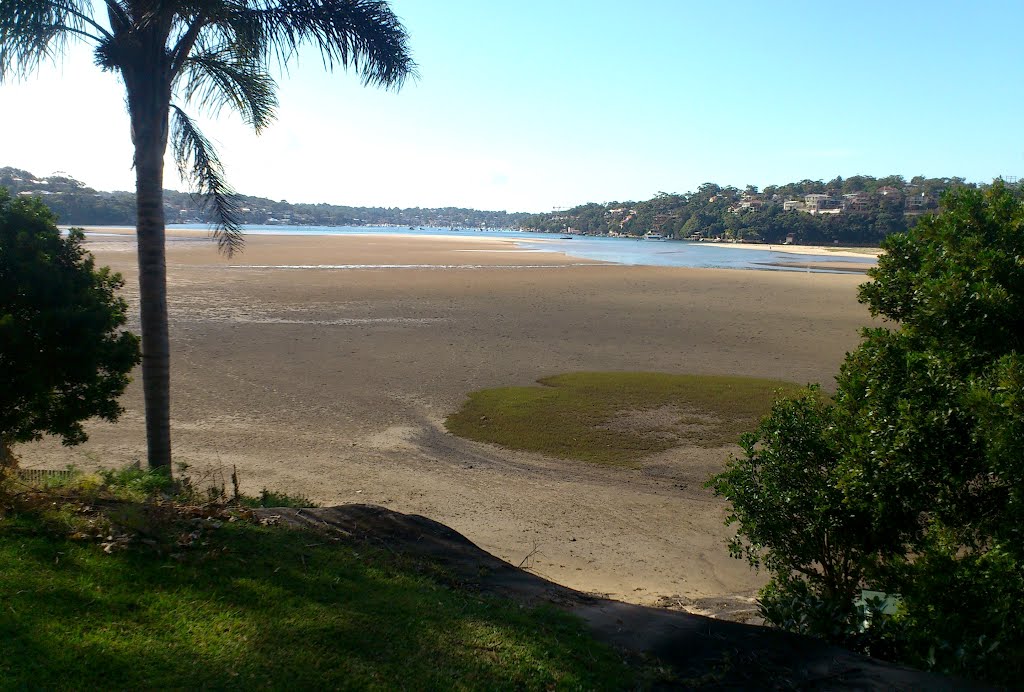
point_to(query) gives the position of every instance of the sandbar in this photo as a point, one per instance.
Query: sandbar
(826, 250)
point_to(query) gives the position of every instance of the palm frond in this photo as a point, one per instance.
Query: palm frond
(32, 31)
(364, 35)
(225, 78)
(199, 164)
(118, 16)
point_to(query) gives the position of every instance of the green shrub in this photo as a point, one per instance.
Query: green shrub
(139, 483)
(911, 479)
(272, 498)
(63, 355)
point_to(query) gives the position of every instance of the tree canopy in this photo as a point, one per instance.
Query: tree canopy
(910, 479)
(63, 355)
(870, 209)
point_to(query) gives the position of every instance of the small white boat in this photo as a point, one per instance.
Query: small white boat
(651, 235)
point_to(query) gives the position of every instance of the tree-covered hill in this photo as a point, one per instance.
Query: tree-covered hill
(77, 204)
(860, 210)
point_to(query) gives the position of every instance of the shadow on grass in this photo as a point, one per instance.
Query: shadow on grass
(263, 607)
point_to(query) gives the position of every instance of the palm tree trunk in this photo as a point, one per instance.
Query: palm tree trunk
(149, 132)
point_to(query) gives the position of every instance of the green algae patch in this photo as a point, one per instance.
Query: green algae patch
(617, 418)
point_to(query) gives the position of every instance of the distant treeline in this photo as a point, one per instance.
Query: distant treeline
(76, 204)
(860, 210)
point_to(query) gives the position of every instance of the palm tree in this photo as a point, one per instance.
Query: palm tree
(210, 54)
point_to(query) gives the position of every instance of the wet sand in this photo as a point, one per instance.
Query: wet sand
(849, 267)
(334, 383)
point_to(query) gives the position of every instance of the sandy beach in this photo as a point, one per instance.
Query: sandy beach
(833, 250)
(333, 382)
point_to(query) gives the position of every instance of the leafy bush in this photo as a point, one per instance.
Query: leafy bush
(272, 498)
(138, 483)
(963, 612)
(63, 356)
(911, 479)
(862, 625)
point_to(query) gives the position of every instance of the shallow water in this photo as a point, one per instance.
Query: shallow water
(667, 253)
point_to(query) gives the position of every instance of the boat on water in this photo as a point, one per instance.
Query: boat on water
(651, 235)
(566, 237)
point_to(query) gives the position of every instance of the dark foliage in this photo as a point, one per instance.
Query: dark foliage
(861, 210)
(913, 473)
(63, 356)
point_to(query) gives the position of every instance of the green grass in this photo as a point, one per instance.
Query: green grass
(246, 606)
(617, 417)
(138, 485)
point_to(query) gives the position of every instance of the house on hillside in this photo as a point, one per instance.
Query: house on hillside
(918, 203)
(819, 203)
(857, 202)
(749, 202)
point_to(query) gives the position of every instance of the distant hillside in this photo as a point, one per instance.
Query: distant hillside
(860, 210)
(77, 204)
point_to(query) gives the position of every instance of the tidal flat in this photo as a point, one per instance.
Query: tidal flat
(334, 382)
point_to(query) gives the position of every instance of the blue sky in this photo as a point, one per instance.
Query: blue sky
(532, 105)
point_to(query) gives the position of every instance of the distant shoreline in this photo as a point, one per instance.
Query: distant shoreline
(865, 254)
(834, 250)
(204, 233)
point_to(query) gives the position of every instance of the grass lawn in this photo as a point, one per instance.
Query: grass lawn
(617, 417)
(190, 600)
